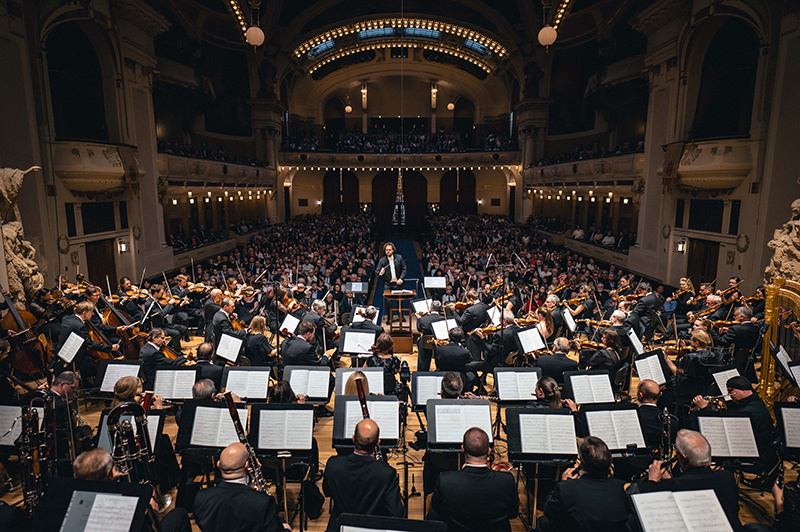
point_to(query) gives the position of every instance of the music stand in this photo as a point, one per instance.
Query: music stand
(399, 297)
(173, 382)
(11, 426)
(425, 385)
(721, 374)
(383, 409)
(474, 413)
(251, 383)
(374, 379)
(109, 371)
(369, 523)
(188, 437)
(297, 376)
(780, 354)
(558, 447)
(516, 386)
(601, 392)
(730, 435)
(648, 365)
(625, 435)
(357, 343)
(155, 427)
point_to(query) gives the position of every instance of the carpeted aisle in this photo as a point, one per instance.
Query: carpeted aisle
(404, 246)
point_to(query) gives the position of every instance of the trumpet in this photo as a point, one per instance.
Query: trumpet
(716, 402)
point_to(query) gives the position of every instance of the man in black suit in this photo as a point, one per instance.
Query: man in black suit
(650, 301)
(208, 370)
(551, 302)
(323, 333)
(221, 324)
(455, 357)
(587, 499)
(232, 505)
(391, 268)
(151, 356)
(366, 324)
(425, 328)
(555, 365)
(93, 294)
(473, 317)
(359, 484)
(743, 335)
(76, 323)
(210, 309)
(694, 461)
(298, 351)
(475, 498)
(501, 344)
(157, 317)
(617, 320)
(650, 417)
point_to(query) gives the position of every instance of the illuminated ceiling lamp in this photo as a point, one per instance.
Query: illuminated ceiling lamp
(547, 36)
(254, 34)
(347, 107)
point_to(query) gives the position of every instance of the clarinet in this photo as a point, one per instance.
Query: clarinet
(362, 398)
(253, 466)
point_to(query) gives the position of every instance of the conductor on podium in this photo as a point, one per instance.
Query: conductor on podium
(391, 268)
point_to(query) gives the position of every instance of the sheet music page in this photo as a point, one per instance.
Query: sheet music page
(534, 434)
(272, 431)
(387, 415)
(360, 287)
(318, 383)
(237, 382)
(783, 356)
(581, 389)
(477, 416)
(449, 423)
(442, 328)
(358, 342)
(494, 316)
(791, 426)
(7, 416)
(289, 323)
(227, 431)
(428, 387)
(741, 440)
(721, 378)
(71, 347)
(298, 380)
(628, 429)
(650, 368)
(184, 380)
(435, 282)
(257, 384)
(165, 384)
(352, 415)
(206, 426)
(299, 429)
(531, 340)
(713, 428)
(637, 344)
(374, 379)
(658, 512)
(569, 320)
(507, 385)
(111, 513)
(601, 424)
(601, 388)
(702, 511)
(795, 373)
(423, 305)
(526, 382)
(562, 434)
(229, 347)
(115, 372)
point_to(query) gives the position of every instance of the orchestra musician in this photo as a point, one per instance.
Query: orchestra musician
(552, 303)
(383, 358)
(681, 298)
(158, 317)
(690, 372)
(210, 308)
(548, 395)
(649, 301)
(455, 357)
(77, 323)
(546, 326)
(391, 268)
(743, 334)
(606, 358)
(730, 295)
(221, 324)
(555, 365)
(129, 300)
(208, 370)
(503, 342)
(650, 415)
(425, 328)
(324, 330)
(93, 294)
(257, 348)
(152, 356)
(473, 317)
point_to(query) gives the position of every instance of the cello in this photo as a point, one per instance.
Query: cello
(29, 351)
(99, 338)
(130, 339)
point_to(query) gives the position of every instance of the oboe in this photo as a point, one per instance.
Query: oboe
(254, 466)
(362, 398)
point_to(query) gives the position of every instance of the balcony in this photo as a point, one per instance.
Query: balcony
(720, 165)
(178, 174)
(87, 167)
(405, 160)
(625, 167)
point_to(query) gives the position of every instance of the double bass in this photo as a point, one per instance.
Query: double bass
(130, 339)
(29, 351)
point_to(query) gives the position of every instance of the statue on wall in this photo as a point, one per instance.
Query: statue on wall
(785, 246)
(24, 277)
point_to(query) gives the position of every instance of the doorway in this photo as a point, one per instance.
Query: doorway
(703, 259)
(101, 261)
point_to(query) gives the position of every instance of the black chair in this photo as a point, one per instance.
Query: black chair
(621, 381)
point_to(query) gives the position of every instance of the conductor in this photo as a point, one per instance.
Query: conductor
(392, 268)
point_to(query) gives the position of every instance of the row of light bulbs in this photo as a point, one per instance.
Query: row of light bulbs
(413, 169)
(568, 197)
(230, 197)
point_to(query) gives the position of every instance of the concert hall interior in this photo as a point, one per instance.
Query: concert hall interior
(452, 265)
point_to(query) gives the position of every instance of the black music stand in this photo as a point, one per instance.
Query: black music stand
(187, 394)
(453, 445)
(374, 379)
(227, 370)
(342, 440)
(617, 452)
(418, 403)
(315, 399)
(107, 391)
(155, 418)
(568, 384)
(348, 522)
(521, 458)
(517, 399)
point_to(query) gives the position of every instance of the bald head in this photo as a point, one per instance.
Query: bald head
(693, 449)
(648, 391)
(366, 436)
(233, 461)
(476, 445)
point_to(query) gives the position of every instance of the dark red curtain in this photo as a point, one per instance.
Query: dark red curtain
(384, 193)
(457, 193)
(415, 194)
(339, 198)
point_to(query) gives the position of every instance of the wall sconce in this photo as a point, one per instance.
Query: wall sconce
(364, 96)
(680, 247)
(608, 200)
(592, 198)
(451, 106)
(319, 202)
(434, 91)
(174, 201)
(480, 202)
(219, 198)
(208, 200)
(191, 200)
(347, 107)
(122, 246)
(624, 201)
(580, 198)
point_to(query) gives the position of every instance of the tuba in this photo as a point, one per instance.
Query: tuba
(133, 452)
(38, 447)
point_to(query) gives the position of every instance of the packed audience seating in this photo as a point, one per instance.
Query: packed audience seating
(204, 152)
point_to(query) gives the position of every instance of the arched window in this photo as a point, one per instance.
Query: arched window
(76, 84)
(727, 84)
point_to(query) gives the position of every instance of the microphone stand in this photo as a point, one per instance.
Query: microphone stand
(405, 398)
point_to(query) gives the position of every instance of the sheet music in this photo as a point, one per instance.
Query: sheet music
(355, 317)
(7, 416)
(71, 347)
(285, 429)
(318, 383)
(494, 316)
(658, 512)
(637, 344)
(423, 305)
(229, 347)
(442, 328)
(290, 323)
(358, 342)
(213, 427)
(701, 511)
(358, 288)
(452, 421)
(403, 291)
(591, 389)
(721, 378)
(531, 340)
(791, 426)
(795, 372)
(784, 359)
(428, 387)
(547, 434)
(435, 282)
(618, 428)
(174, 383)
(115, 372)
(516, 385)
(713, 428)
(246, 383)
(385, 413)
(650, 368)
(729, 436)
(110, 512)
(374, 379)
(569, 320)
(104, 442)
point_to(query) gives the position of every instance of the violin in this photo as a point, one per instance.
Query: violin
(595, 323)
(576, 300)
(457, 305)
(723, 323)
(586, 344)
(633, 297)
(136, 293)
(486, 330)
(498, 284)
(678, 294)
(292, 304)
